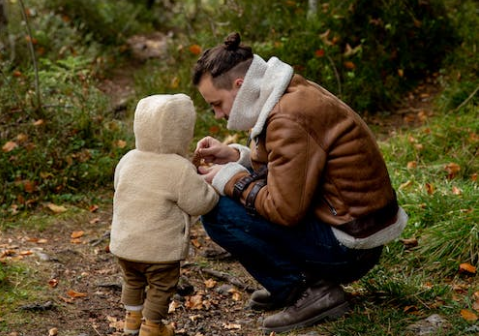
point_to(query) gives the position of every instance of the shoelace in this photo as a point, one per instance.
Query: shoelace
(302, 297)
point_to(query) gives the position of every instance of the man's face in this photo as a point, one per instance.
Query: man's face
(220, 100)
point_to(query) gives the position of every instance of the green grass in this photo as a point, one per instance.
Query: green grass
(19, 285)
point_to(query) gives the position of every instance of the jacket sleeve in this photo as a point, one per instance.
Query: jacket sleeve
(195, 196)
(295, 166)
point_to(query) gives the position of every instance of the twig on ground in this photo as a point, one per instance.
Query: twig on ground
(225, 277)
(467, 99)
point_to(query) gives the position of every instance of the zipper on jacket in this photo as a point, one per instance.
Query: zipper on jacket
(330, 206)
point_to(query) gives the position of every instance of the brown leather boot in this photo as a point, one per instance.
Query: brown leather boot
(323, 300)
(132, 322)
(261, 299)
(149, 328)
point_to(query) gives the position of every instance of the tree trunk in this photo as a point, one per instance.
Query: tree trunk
(312, 8)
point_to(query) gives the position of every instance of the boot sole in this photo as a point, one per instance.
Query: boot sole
(330, 314)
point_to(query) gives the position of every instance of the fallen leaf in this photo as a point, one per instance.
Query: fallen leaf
(405, 185)
(196, 243)
(409, 118)
(419, 147)
(230, 326)
(22, 137)
(429, 188)
(93, 208)
(422, 116)
(29, 186)
(113, 322)
(53, 283)
(467, 268)
(468, 315)
(409, 242)
(9, 146)
(194, 302)
(77, 234)
(411, 165)
(237, 296)
(410, 309)
(73, 294)
(7, 253)
(67, 300)
(173, 305)
(56, 208)
(452, 170)
(475, 305)
(121, 144)
(210, 283)
(194, 317)
(456, 190)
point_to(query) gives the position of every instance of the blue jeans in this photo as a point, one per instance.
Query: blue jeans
(281, 258)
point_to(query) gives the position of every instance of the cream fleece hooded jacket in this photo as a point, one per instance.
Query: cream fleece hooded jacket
(158, 193)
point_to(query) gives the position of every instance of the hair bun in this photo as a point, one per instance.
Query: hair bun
(232, 41)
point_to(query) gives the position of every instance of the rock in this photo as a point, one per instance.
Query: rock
(428, 326)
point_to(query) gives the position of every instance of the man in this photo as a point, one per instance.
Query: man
(309, 205)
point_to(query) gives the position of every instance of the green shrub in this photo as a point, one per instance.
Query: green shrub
(71, 147)
(461, 68)
(108, 21)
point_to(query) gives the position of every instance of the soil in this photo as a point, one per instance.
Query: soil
(81, 283)
(71, 265)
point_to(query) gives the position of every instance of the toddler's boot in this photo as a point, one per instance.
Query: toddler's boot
(132, 322)
(149, 328)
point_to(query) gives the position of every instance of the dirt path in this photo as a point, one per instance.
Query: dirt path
(79, 283)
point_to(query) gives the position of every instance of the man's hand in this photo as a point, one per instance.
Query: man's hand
(216, 152)
(209, 172)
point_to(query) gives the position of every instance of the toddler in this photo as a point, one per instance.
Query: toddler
(158, 195)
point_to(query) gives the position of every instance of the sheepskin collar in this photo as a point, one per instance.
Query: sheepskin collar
(262, 88)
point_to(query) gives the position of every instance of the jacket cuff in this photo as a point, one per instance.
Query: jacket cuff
(225, 174)
(245, 159)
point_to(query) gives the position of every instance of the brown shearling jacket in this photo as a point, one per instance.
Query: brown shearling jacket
(321, 158)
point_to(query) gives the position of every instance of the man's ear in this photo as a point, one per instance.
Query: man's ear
(238, 82)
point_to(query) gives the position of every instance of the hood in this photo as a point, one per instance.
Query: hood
(164, 124)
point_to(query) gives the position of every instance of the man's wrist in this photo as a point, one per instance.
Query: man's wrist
(241, 185)
(250, 200)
